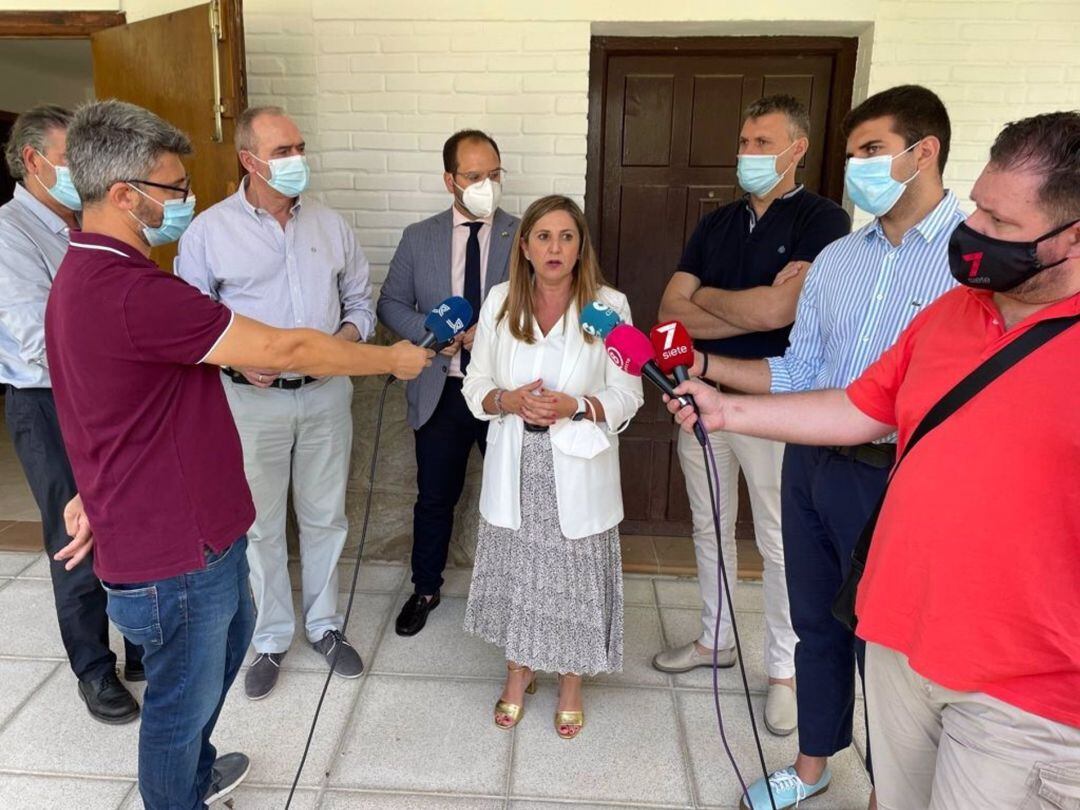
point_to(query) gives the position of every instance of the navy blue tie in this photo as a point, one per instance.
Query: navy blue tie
(472, 279)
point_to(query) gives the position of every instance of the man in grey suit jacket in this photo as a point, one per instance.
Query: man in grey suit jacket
(462, 251)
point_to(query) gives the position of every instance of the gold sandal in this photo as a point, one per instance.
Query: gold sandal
(513, 710)
(574, 719)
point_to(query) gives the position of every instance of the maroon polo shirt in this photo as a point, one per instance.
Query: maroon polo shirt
(152, 442)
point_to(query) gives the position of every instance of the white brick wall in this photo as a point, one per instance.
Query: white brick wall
(377, 96)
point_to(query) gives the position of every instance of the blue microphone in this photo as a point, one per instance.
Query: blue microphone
(445, 321)
(599, 319)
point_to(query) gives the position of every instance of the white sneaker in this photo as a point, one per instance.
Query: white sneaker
(781, 710)
(686, 658)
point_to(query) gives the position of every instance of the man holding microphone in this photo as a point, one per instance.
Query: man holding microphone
(134, 354)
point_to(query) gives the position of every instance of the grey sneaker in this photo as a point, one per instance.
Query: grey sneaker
(262, 676)
(348, 663)
(686, 658)
(228, 772)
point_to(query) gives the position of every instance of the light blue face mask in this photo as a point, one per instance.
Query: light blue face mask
(870, 184)
(63, 190)
(174, 221)
(288, 175)
(757, 173)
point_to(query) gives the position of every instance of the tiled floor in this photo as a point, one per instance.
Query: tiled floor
(416, 730)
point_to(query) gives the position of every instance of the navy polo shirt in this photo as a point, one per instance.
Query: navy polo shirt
(733, 250)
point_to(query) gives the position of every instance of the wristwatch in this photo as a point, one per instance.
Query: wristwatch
(581, 411)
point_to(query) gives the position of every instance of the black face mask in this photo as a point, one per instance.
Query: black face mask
(995, 264)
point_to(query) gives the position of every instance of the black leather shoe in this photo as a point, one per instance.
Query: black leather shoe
(134, 671)
(414, 614)
(108, 700)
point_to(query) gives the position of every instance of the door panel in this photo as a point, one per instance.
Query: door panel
(664, 123)
(187, 67)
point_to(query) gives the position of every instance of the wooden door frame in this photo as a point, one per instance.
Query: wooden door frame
(844, 49)
(57, 24)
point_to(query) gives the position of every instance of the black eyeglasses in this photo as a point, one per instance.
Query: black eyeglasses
(184, 189)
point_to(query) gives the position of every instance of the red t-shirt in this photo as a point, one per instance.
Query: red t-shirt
(974, 571)
(152, 442)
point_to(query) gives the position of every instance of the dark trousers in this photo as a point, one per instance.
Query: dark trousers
(80, 599)
(443, 444)
(825, 499)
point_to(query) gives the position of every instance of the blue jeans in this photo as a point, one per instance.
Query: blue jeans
(194, 629)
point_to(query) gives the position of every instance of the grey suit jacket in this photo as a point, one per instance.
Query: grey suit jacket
(419, 280)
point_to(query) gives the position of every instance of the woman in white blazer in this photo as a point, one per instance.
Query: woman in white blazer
(547, 581)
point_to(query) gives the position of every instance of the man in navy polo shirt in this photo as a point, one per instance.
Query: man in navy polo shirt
(134, 353)
(735, 290)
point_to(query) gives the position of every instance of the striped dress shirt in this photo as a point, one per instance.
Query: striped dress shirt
(860, 294)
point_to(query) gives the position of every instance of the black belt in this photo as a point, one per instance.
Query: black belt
(879, 456)
(280, 382)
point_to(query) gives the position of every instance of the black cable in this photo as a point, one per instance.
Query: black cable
(352, 587)
(713, 477)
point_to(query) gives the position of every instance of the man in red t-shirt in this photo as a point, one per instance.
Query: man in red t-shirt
(133, 354)
(970, 604)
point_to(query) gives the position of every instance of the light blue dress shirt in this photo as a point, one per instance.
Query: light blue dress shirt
(860, 294)
(33, 241)
(310, 274)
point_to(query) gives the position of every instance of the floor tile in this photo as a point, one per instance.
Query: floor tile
(26, 791)
(20, 679)
(686, 593)
(714, 778)
(250, 798)
(681, 626)
(641, 641)
(23, 533)
(30, 742)
(427, 735)
(345, 800)
(39, 570)
(14, 562)
(526, 804)
(456, 582)
(273, 731)
(627, 751)
(441, 648)
(29, 627)
(638, 590)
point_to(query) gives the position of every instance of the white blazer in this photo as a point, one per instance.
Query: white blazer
(588, 489)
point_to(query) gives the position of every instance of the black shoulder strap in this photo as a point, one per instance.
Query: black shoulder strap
(988, 371)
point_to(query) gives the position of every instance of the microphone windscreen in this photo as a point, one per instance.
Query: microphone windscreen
(672, 346)
(449, 318)
(628, 348)
(599, 319)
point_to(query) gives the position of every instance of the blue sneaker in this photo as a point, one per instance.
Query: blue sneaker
(787, 790)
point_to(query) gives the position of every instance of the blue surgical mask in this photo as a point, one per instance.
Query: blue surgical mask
(63, 190)
(288, 175)
(870, 184)
(174, 221)
(757, 173)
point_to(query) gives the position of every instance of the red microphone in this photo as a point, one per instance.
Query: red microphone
(631, 351)
(673, 349)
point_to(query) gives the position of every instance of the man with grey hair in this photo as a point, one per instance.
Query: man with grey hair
(274, 253)
(735, 290)
(34, 228)
(135, 354)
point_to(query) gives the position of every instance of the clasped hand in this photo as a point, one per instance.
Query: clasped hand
(538, 405)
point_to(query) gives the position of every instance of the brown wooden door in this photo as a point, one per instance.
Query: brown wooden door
(188, 67)
(664, 122)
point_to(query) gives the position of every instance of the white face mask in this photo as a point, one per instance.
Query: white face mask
(481, 199)
(582, 439)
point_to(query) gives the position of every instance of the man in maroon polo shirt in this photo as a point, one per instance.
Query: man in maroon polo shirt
(970, 603)
(156, 456)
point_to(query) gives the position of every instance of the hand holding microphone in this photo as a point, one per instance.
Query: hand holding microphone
(442, 325)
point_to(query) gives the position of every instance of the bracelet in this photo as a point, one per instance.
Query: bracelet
(498, 401)
(704, 364)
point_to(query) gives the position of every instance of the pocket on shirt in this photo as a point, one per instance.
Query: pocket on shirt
(1053, 786)
(135, 613)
